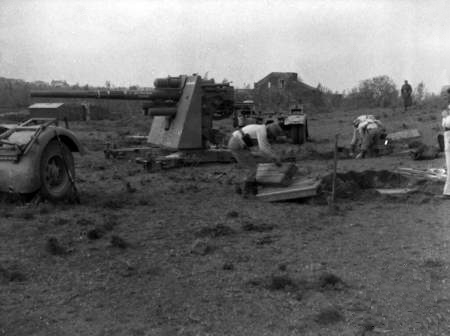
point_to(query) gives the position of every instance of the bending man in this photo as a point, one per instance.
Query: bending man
(367, 132)
(245, 142)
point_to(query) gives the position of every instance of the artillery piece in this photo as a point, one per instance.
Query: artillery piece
(37, 155)
(183, 108)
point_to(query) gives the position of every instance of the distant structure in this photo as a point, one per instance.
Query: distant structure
(59, 84)
(71, 112)
(278, 90)
(56, 110)
(241, 95)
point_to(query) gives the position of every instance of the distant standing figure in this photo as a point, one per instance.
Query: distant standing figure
(406, 92)
(446, 126)
(367, 133)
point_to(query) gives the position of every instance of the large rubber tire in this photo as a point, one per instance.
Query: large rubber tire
(55, 182)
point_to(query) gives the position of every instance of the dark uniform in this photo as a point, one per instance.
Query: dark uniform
(406, 92)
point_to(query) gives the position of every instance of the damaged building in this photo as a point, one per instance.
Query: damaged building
(278, 90)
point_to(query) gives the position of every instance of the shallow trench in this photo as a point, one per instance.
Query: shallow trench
(351, 184)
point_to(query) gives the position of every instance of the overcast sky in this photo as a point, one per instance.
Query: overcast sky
(336, 43)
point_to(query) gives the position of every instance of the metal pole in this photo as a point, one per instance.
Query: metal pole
(67, 169)
(335, 159)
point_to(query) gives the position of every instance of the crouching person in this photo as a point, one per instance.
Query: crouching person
(244, 145)
(368, 133)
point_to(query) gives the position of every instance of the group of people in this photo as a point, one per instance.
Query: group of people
(368, 136)
(255, 140)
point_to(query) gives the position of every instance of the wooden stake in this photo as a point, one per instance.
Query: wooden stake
(333, 186)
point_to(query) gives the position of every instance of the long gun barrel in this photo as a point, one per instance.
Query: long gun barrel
(169, 88)
(182, 108)
(166, 93)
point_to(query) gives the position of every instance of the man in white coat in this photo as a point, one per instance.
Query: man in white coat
(446, 126)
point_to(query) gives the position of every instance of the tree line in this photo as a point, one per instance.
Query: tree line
(380, 91)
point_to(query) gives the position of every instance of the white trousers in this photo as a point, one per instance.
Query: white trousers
(447, 161)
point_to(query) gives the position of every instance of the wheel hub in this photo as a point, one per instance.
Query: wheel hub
(54, 174)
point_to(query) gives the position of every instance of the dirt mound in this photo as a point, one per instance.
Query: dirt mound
(325, 281)
(249, 226)
(280, 282)
(352, 183)
(95, 233)
(424, 152)
(119, 242)
(329, 316)
(311, 153)
(11, 273)
(216, 231)
(53, 246)
(330, 281)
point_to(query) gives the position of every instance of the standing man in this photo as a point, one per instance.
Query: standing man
(446, 126)
(243, 144)
(367, 133)
(406, 92)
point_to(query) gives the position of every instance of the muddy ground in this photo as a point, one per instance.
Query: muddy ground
(179, 253)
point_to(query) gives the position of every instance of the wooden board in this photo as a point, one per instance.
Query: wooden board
(405, 135)
(128, 152)
(135, 139)
(271, 174)
(432, 174)
(396, 191)
(301, 188)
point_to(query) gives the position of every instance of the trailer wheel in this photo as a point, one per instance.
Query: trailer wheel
(55, 182)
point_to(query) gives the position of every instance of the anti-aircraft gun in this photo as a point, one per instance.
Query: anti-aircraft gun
(37, 154)
(183, 108)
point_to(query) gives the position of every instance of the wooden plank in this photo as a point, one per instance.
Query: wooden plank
(136, 139)
(271, 174)
(433, 174)
(405, 135)
(298, 189)
(127, 152)
(396, 191)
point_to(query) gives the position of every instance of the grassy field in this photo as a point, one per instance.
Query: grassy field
(178, 252)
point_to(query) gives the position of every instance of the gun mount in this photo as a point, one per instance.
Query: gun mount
(183, 108)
